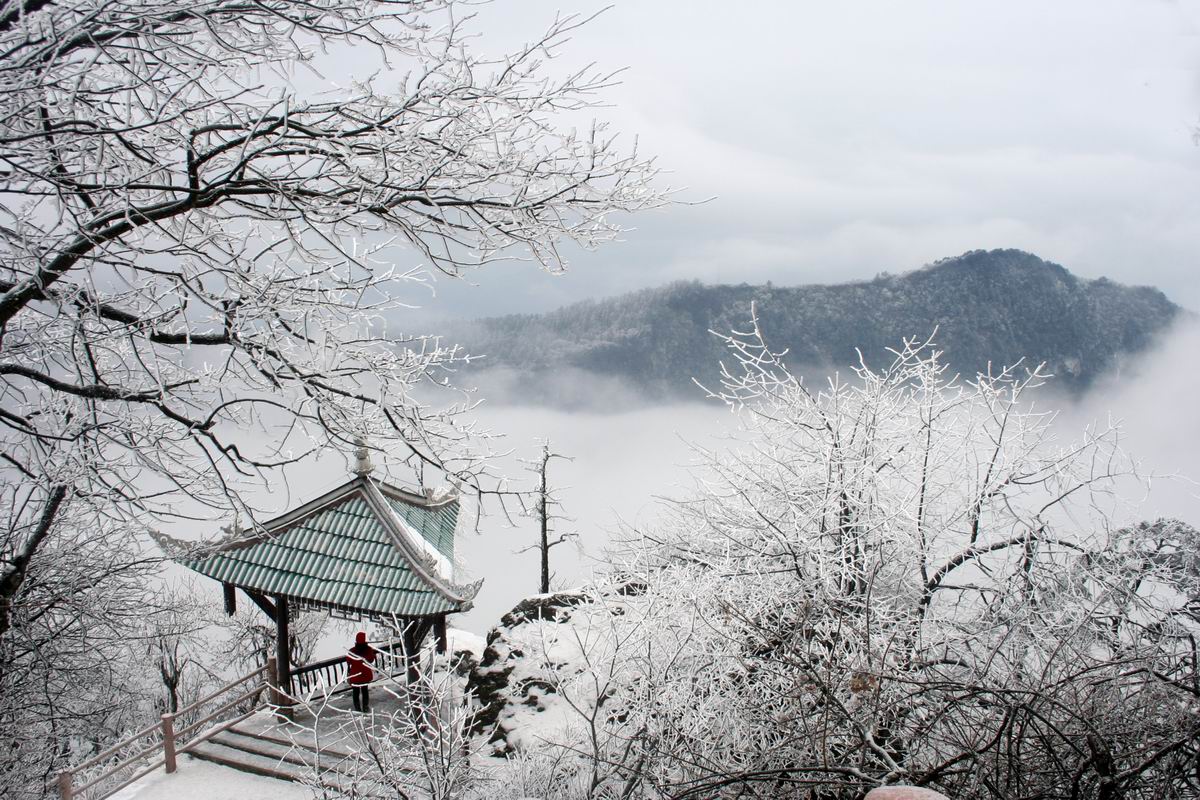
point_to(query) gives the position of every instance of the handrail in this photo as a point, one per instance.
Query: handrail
(211, 732)
(126, 782)
(316, 665)
(66, 779)
(221, 691)
(298, 682)
(228, 705)
(333, 662)
(93, 761)
(118, 767)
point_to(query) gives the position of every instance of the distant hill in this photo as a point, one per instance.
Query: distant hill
(997, 306)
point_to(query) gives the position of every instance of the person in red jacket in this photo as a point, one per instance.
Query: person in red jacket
(360, 658)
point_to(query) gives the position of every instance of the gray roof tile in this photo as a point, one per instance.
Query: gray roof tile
(342, 554)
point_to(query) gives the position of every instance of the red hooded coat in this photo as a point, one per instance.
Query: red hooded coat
(360, 658)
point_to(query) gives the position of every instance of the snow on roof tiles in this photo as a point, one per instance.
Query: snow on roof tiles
(361, 546)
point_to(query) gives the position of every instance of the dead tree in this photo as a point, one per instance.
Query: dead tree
(545, 502)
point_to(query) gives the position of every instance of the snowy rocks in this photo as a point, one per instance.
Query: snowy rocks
(466, 649)
(505, 682)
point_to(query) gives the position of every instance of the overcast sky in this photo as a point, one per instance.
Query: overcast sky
(838, 140)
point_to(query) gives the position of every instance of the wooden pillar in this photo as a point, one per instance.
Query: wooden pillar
(439, 631)
(168, 733)
(410, 651)
(230, 594)
(283, 654)
(272, 682)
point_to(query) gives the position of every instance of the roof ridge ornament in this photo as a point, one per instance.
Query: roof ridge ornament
(436, 495)
(362, 458)
(468, 591)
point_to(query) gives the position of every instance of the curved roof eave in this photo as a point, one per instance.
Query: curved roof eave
(401, 536)
(419, 562)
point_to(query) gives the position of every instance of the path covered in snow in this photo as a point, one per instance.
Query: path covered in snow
(200, 780)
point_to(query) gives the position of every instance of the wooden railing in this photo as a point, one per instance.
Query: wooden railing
(331, 673)
(170, 742)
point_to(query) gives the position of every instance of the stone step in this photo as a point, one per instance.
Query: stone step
(302, 740)
(254, 763)
(274, 755)
(271, 766)
(279, 751)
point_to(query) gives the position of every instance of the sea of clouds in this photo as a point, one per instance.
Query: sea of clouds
(628, 453)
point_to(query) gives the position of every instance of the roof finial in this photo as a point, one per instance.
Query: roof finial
(362, 458)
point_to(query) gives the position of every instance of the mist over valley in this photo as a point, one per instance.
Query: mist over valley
(981, 308)
(610, 384)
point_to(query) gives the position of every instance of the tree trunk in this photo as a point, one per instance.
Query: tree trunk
(10, 584)
(545, 584)
(544, 514)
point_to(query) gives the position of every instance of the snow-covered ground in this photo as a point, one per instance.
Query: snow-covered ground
(201, 780)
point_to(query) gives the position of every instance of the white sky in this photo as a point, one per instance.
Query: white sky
(838, 140)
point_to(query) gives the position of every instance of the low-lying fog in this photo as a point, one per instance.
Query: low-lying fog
(624, 459)
(627, 451)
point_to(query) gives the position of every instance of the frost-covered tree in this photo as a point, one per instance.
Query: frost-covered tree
(545, 510)
(916, 583)
(900, 578)
(80, 665)
(203, 236)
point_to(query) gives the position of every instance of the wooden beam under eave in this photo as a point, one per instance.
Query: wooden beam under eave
(262, 602)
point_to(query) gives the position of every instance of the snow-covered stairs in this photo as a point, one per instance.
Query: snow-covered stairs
(273, 755)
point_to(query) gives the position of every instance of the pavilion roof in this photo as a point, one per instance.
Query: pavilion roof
(363, 547)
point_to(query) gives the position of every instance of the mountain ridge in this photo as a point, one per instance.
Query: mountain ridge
(996, 306)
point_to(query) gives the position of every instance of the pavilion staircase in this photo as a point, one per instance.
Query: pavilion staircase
(290, 750)
(161, 744)
(250, 725)
(277, 755)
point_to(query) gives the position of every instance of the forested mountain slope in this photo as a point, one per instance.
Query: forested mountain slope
(998, 306)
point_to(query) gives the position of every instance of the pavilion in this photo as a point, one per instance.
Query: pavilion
(365, 549)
